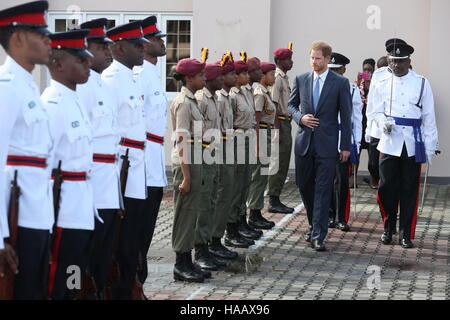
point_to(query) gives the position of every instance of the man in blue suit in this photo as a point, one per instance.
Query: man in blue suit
(316, 100)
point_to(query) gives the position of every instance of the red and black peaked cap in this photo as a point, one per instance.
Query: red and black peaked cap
(97, 30)
(130, 31)
(73, 41)
(150, 29)
(29, 15)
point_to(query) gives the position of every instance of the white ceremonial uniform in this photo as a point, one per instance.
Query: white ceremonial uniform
(131, 125)
(357, 117)
(72, 137)
(25, 135)
(372, 129)
(155, 107)
(405, 95)
(100, 102)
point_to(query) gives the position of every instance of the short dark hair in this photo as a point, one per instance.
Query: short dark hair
(369, 61)
(179, 77)
(382, 62)
(5, 36)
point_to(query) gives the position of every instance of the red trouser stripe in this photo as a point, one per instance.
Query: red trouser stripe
(54, 261)
(414, 220)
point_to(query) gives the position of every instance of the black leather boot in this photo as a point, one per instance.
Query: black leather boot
(246, 231)
(183, 270)
(256, 220)
(234, 239)
(203, 258)
(217, 249)
(275, 206)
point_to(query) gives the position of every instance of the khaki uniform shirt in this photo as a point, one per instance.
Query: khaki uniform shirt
(281, 92)
(264, 104)
(243, 111)
(184, 115)
(225, 111)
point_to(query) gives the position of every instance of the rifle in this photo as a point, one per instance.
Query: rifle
(114, 270)
(7, 283)
(58, 180)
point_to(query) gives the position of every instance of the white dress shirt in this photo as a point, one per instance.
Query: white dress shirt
(357, 117)
(101, 104)
(131, 124)
(72, 135)
(406, 93)
(155, 107)
(323, 78)
(24, 129)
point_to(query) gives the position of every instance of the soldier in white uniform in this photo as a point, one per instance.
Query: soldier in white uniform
(25, 146)
(155, 107)
(72, 137)
(101, 105)
(128, 52)
(403, 107)
(340, 205)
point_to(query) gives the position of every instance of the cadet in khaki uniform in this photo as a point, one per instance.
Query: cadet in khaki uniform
(226, 168)
(265, 111)
(243, 124)
(280, 93)
(207, 104)
(187, 174)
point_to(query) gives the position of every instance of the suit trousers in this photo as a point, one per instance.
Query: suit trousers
(399, 176)
(150, 215)
(314, 178)
(340, 203)
(33, 248)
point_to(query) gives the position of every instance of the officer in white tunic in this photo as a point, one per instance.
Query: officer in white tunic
(128, 52)
(340, 207)
(403, 107)
(155, 108)
(101, 106)
(25, 145)
(72, 137)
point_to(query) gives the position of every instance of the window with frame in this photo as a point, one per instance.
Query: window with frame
(178, 28)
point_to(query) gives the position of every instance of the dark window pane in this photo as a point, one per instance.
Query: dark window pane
(172, 56)
(172, 26)
(185, 26)
(185, 41)
(184, 53)
(111, 24)
(60, 25)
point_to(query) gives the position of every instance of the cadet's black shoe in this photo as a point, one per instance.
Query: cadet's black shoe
(386, 238)
(217, 249)
(331, 224)
(246, 231)
(343, 226)
(183, 270)
(219, 263)
(406, 243)
(256, 220)
(318, 245)
(204, 259)
(275, 206)
(234, 239)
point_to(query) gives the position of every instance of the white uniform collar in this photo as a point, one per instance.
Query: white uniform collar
(62, 89)
(16, 69)
(97, 77)
(123, 68)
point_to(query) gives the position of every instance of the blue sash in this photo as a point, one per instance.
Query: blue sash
(421, 156)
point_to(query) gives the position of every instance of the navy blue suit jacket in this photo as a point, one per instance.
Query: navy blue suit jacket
(335, 98)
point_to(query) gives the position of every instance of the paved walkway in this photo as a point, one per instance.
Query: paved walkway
(282, 266)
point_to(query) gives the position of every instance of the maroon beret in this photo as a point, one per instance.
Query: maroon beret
(267, 66)
(282, 53)
(240, 66)
(253, 64)
(190, 67)
(212, 71)
(227, 67)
